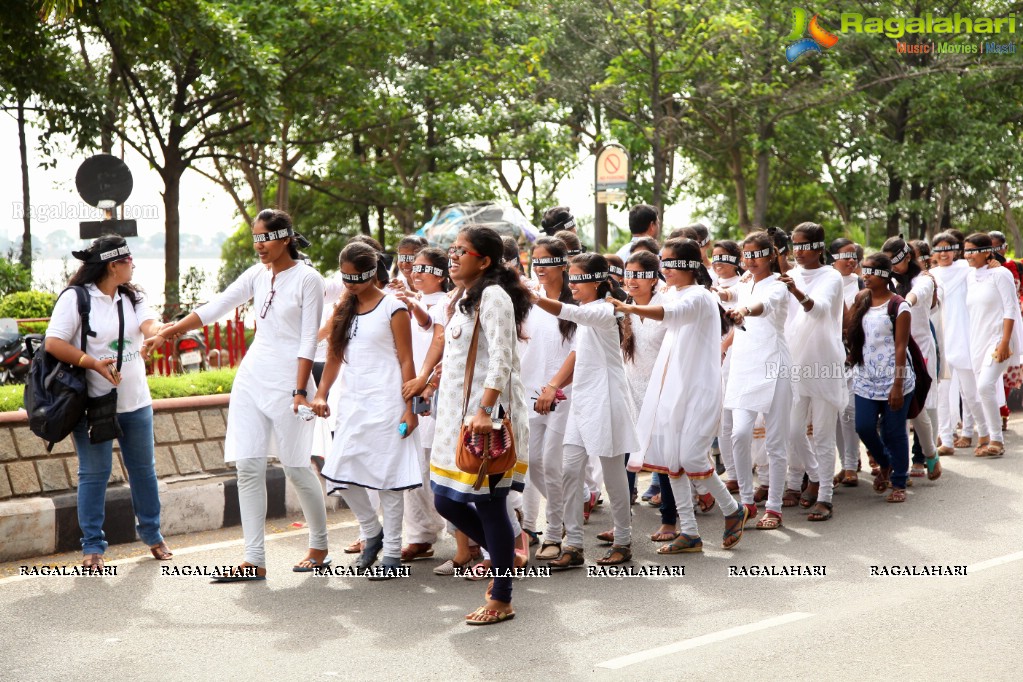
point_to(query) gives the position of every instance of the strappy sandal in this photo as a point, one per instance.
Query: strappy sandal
(897, 495)
(808, 497)
(734, 526)
(571, 557)
(310, 564)
(821, 511)
(933, 465)
(992, 449)
(606, 536)
(161, 552)
(705, 502)
(962, 442)
(790, 498)
(882, 480)
(732, 486)
(851, 479)
(616, 554)
(760, 494)
(770, 520)
(683, 544)
(918, 470)
(485, 616)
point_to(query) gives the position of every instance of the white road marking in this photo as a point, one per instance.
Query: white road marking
(184, 551)
(991, 563)
(702, 640)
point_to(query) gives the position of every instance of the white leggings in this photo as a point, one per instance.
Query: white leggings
(704, 479)
(989, 386)
(963, 383)
(546, 462)
(392, 503)
(725, 444)
(252, 505)
(845, 434)
(777, 426)
(615, 481)
(423, 525)
(816, 458)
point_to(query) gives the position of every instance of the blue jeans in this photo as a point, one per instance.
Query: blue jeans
(94, 465)
(890, 446)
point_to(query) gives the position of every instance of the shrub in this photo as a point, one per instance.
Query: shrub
(24, 304)
(13, 277)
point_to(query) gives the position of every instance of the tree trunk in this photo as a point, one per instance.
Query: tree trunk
(763, 178)
(914, 226)
(741, 203)
(283, 186)
(894, 193)
(26, 201)
(381, 233)
(656, 114)
(172, 238)
(1002, 194)
(359, 151)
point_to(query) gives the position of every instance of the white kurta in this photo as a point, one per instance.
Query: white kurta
(368, 451)
(261, 422)
(760, 355)
(955, 316)
(991, 299)
(602, 416)
(543, 354)
(815, 337)
(648, 334)
(422, 339)
(683, 399)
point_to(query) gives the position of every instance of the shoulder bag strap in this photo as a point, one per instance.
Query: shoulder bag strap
(470, 365)
(120, 332)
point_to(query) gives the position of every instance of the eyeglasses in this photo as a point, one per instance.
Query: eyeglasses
(459, 251)
(266, 304)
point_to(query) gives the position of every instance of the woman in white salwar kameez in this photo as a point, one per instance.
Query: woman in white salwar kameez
(375, 441)
(601, 421)
(814, 335)
(845, 254)
(677, 424)
(756, 379)
(725, 262)
(273, 381)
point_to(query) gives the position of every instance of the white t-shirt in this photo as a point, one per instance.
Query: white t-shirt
(65, 324)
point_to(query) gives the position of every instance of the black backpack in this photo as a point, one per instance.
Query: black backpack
(55, 391)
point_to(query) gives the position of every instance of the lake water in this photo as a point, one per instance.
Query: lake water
(50, 274)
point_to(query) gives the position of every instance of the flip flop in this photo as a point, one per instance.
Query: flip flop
(239, 577)
(298, 568)
(490, 616)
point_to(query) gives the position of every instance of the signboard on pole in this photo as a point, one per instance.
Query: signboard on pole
(612, 174)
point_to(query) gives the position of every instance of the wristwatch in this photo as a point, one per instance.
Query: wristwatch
(300, 391)
(488, 410)
(804, 300)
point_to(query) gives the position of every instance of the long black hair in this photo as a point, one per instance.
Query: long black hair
(892, 248)
(813, 233)
(690, 249)
(592, 263)
(558, 249)
(854, 333)
(365, 258)
(487, 243)
(94, 273)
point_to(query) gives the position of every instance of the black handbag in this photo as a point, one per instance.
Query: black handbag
(101, 411)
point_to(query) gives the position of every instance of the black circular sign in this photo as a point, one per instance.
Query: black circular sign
(104, 178)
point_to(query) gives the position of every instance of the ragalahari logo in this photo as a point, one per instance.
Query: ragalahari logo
(819, 38)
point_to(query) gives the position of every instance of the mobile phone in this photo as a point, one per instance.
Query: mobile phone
(553, 405)
(420, 404)
(115, 374)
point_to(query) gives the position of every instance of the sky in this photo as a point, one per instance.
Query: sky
(205, 208)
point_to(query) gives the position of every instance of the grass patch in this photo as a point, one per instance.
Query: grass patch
(213, 382)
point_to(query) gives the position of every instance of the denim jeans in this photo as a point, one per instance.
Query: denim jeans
(890, 447)
(94, 465)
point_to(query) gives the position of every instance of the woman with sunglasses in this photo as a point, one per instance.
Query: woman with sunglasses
(757, 379)
(272, 383)
(106, 273)
(495, 296)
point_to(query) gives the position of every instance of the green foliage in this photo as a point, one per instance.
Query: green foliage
(236, 255)
(191, 286)
(13, 277)
(213, 382)
(26, 304)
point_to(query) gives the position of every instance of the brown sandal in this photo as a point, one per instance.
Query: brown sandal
(769, 521)
(732, 486)
(161, 552)
(606, 536)
(809, 496)
(821, 512)
(616, 554)
(416, 550)
(962, 442)
(897, 495)
(790, 498)
(354, 548)
(882, 480)
(93, 563)
(760, 494)
(850, 480)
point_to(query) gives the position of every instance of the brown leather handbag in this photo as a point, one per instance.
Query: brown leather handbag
(483, 455)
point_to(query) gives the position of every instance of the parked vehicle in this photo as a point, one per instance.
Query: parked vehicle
(190, 352)
(15, 352)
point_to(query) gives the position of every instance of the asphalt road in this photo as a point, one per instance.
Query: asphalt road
(847, 624)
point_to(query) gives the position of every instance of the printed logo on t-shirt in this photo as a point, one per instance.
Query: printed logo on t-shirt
(113, 345)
